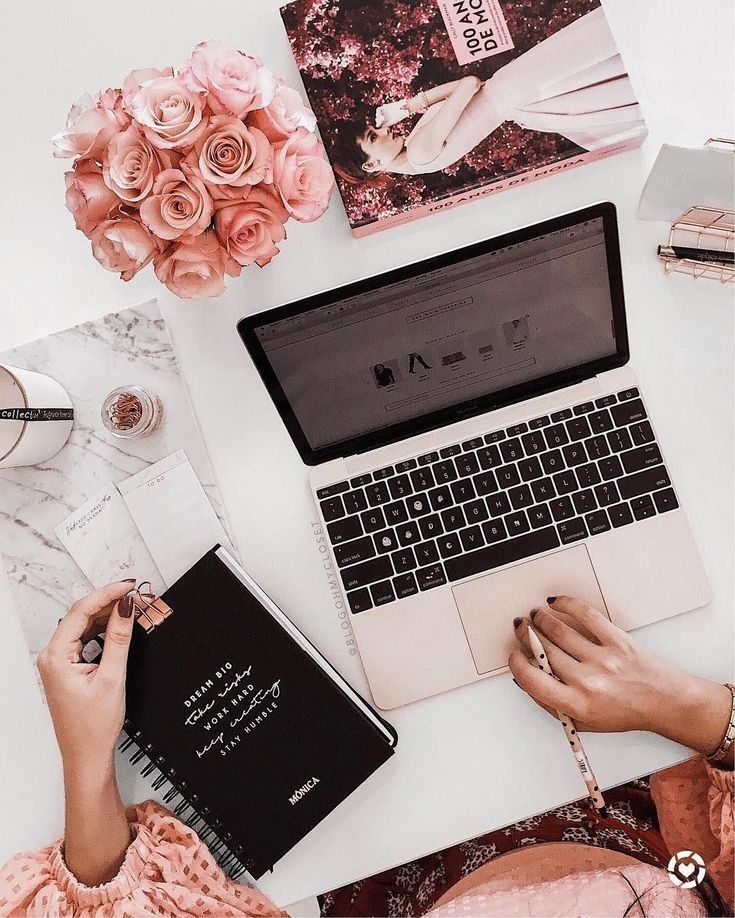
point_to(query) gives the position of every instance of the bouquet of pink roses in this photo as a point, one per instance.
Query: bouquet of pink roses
(197, 171)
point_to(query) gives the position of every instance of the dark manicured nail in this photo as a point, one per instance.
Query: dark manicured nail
(128, 580)
(125, 606)
(532, 613)
(516, 623)
(550, 600)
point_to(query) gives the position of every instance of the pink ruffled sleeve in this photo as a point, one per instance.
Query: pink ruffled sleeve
(167, 871)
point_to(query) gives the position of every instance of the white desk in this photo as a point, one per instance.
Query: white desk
(454, 776)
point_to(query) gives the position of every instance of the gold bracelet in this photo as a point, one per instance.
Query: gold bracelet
(729, 738)
(423, 102)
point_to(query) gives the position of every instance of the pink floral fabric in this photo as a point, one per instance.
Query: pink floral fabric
(167, 871)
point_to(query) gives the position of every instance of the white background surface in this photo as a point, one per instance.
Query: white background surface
(473, 759)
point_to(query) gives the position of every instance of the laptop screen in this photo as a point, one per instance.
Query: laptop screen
(441, 337)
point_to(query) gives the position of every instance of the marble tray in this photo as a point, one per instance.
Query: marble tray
(124, 348)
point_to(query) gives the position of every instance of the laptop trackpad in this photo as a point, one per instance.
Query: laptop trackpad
(488, 605)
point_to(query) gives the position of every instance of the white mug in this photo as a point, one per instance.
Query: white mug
(36, 417)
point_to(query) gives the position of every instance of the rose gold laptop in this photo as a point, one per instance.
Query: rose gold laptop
(479, 442)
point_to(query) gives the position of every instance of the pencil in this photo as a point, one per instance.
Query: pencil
(570, 731)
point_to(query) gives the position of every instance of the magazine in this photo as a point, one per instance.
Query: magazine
(426, 104)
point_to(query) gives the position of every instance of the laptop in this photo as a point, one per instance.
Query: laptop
(478, 441)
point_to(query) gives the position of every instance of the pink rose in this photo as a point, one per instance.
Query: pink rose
(235, 82)
(87, 196)
(123, 245)
(171, 115)
(249, 229)
(303, 176)
(91, 121)
(283, 115)
(194, 268)
(179, 207)
(136, 78)
(131, 164)
(231, 153)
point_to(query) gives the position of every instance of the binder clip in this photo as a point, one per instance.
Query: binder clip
(150, 610)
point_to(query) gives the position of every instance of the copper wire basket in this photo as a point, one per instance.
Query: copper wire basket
(703, 228)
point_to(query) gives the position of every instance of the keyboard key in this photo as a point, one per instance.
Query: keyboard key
(485, 483)
(345, 529)
(463, 490)
(665, 500)
(332, 509)
(572, 531)
(492, 556)
(445, 471)
(619, 440)
(494, 531)
(607, 494)
(574, 454)
(385, 541)
(536, 423)
(561, 415)
(620, 515)
(495, 437)
(539, 516)
(368, 572)
(405, 585)
(584, 408)
(395, 513)
(584, 501)
(489, 457)
(610, 468)
(641, 433)
(431, 526)
(508, 476)
(418, 505)
(452, 519)
(449, 545)
(333, 490)
(422, 479)
(373, 520)
(627, 394)
(354, 501)
(387, 472)
(430, 577)
(400, 486)
(606, 401)
(476, 511)
(565, 483)
(516, 430)
(556, 436)
(628, 412)
(406, 466)
(426, 553)
(543, 489)
(642, 458)
(642, 507)
(643, 482)
(530, 469)
(511, 450)
(467, 464)
(377, 493)
(408, 533)
(403, 560)
(382, 593)
(517, 523)
(360, 600)
(428, 458)
(354, 552)
(578, 429)
(587, 475)
(361, 481)
(450, 451)
(561, 509)
(597, 447)
(553, 462)
(498, 504)
(597, 522)
(534, 443)
(471, 538)
(470, 445)
(600, 422)
(520, 497)
(440, 498)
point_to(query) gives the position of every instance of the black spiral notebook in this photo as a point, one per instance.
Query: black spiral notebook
(259, 737)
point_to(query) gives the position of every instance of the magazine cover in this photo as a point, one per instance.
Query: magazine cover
(425, 104)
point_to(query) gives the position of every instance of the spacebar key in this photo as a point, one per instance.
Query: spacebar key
(492, 556)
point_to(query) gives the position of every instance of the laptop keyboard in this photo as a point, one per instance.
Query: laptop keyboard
(494, 500)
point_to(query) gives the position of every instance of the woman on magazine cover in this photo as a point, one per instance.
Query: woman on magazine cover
(573, 83)
(144, 861)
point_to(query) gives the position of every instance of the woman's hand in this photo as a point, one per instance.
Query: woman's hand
(87, 706)
(607, 683)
